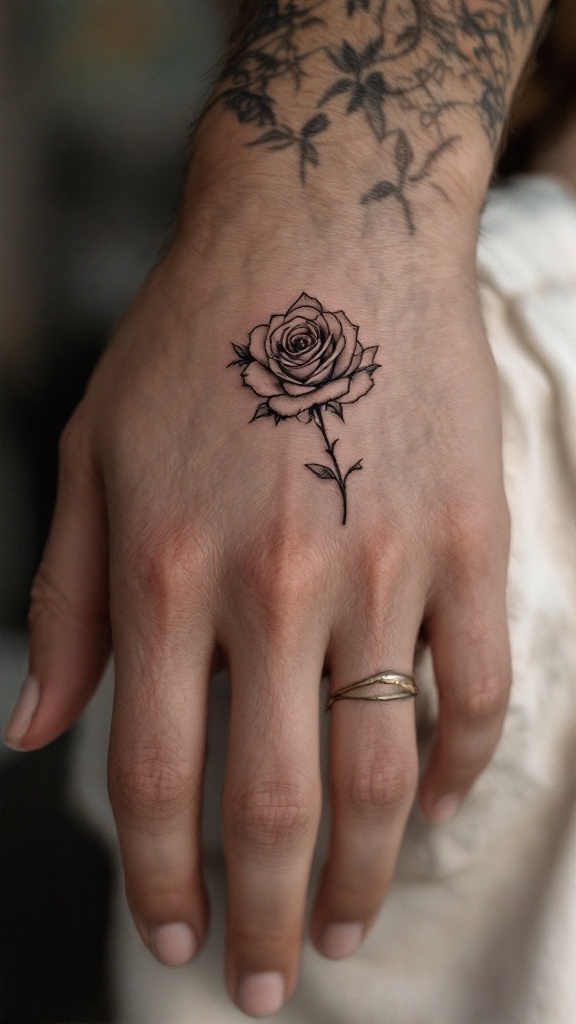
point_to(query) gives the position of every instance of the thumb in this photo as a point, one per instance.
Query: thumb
(68, 620)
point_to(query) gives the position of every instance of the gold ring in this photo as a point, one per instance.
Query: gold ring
(405, 687)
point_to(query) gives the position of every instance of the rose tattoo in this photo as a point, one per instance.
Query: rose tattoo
(303, 362)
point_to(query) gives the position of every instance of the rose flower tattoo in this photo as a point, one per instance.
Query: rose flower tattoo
(303, 362)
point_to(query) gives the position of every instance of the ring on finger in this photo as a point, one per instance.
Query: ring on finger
(383, 686)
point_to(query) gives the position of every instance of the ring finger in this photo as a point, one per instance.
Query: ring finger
(373, 779)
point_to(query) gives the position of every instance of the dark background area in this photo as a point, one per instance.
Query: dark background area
(96, 97)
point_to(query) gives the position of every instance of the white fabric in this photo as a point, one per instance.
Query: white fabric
(480, 926)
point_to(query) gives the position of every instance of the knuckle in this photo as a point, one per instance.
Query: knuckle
(165, 566)
(51, 602)
(149, 788)
(285, 569)
(377, 786)
(46, 599)
(471, 533)
(272, 935)
(483, 700)
(266, 816)
(124, 435)
(380, 561)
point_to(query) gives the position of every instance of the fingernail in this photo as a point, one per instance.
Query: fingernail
(444, 809)
(173, 944)
(260, 995)
(340, 940)
(23, 713)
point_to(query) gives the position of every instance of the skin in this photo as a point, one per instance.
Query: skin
(190, 538)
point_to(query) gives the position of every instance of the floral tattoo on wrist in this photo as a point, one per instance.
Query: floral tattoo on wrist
(302, 363)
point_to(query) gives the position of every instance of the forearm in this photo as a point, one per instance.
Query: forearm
(392, 104)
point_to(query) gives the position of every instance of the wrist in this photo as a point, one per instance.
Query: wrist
(229, 180)
(396, 108)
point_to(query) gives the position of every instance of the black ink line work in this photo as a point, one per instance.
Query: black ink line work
(302, 363)
(405, 68)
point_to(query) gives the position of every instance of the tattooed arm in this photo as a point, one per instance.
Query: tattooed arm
(407, 97)
(320, 505)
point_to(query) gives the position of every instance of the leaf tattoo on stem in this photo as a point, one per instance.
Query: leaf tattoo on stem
(325, 472)
(303, 362)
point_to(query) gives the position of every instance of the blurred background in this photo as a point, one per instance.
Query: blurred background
(96, 99)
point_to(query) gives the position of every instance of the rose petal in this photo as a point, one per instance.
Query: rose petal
(357, 360)
(298, 321)
(286, 405)
(359, 385)
(369, 355)
(326, 369)
(285, 370)
(346, 323)
(275, 322)
(305, 300)
(305, 416)
(278, 371)
(281, 371)
(308, 332)
(289, 388)
(256, 343)
(300, 359)
(350, 334)
(315, 352)
(309, 313)
(276, 338)
(301, 374)
(333, 324)
(298, 367)
(307, 357)
(282, 330)
(261, 380)
(328, 347)
(304, 325)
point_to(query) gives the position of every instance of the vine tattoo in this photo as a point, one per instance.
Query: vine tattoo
(410, 63)
(305, 362)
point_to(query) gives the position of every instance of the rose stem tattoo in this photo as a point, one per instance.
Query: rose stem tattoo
(324, 472)
(410, 65)
(303, 361)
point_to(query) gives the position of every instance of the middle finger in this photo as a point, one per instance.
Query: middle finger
(272, 803)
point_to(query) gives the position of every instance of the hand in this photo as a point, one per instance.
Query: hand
(195, 532)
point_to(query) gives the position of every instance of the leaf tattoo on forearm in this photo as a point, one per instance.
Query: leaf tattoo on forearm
(396, 69)
(302, 363)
